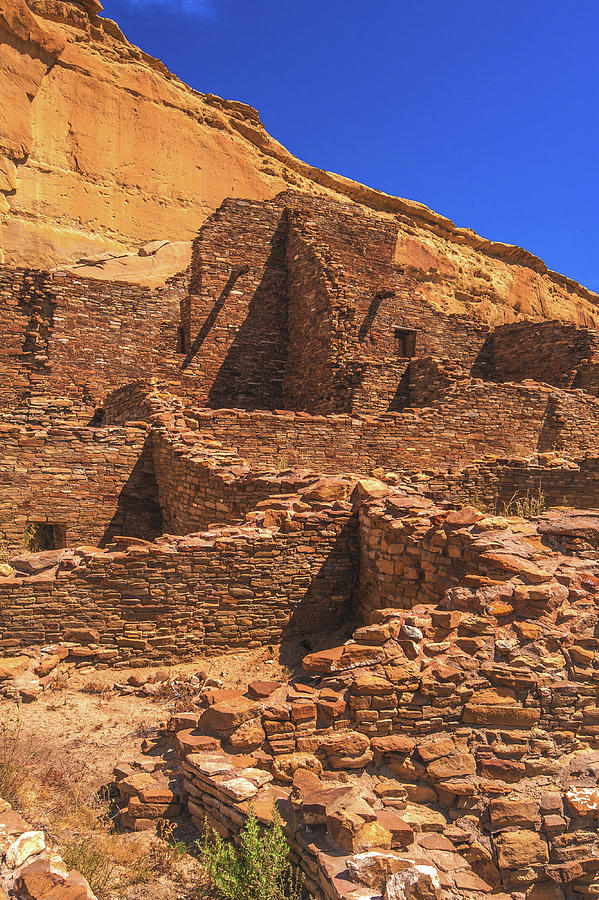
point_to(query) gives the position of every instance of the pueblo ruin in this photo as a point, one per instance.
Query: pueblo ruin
(308, 417)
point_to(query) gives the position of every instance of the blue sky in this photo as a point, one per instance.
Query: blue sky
(487, 112)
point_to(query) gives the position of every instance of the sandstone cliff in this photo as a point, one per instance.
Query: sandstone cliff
(102, 149)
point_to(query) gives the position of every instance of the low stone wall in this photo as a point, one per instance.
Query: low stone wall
(96, 482)
(473, 419)
(197, 490)
(211, 592)
(527, 485)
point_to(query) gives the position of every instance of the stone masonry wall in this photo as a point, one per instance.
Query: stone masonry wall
(96, 482)
(198, 489)
(77, 339)
(474, 418)
(210, 592)
(235, 318)
(346, 300)
(412, 553)
(546, 479)
(564, 355)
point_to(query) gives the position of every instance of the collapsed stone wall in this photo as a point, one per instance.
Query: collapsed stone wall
(96, 483)
(210, 592)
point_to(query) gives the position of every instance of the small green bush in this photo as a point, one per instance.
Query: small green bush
(258, 870)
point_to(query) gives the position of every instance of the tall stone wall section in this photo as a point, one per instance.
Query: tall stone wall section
(235, 317)
(72, 338)
(96, 482)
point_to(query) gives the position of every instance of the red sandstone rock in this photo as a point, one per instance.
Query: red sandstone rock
(227, 714)
(261, 690)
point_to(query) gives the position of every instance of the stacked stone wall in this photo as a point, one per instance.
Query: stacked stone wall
(210, 592)
(551, 352)
(95, 482)
(525, 484)
(235, 318)
(77, 339)
(473, 419)
(196, 491)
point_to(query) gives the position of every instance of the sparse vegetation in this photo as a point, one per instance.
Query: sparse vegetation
(15, 760)
(526, 507)
(91, 860)
(258, 870)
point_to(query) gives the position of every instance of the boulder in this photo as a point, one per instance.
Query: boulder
(520, 849)
(373, 868)
(416, 883)
(13, 666)
(227, 715)
(26, 845)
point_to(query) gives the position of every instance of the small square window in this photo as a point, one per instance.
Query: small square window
(406, 341)
(40, 536)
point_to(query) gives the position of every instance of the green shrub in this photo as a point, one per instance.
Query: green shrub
(258, 870)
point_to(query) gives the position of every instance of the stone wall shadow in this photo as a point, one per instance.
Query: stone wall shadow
(328, 612)
(550, 436)
(212, 316)
(483, 365)
(251, 375)
(138, 513)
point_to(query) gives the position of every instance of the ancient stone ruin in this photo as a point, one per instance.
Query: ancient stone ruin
(287, 439)
(348, 427)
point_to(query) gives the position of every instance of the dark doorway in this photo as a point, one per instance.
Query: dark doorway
(40, 536)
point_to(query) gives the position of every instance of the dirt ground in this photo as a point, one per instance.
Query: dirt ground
(68, 741)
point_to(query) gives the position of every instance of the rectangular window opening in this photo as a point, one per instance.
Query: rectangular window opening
(40, 536)
(406, 341)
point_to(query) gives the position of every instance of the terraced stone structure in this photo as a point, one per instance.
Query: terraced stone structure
(294, 443)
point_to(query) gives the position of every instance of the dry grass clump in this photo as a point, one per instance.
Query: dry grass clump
(16, 759)
(58, 797)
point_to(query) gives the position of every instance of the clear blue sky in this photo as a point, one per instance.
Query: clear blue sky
(485, 111)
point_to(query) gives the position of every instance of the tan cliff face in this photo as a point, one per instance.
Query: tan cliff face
(102, 150)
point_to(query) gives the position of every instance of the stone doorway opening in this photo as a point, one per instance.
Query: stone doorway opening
(40, 536)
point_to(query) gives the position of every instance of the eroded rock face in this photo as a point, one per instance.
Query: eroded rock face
(102, 150)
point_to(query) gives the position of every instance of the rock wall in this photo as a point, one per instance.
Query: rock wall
(209, 592)
(76, 339)
(468, 422)
(95, 483)
(543, 480)
(558, 354)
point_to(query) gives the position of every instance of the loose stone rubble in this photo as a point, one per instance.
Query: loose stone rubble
(29, 870)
